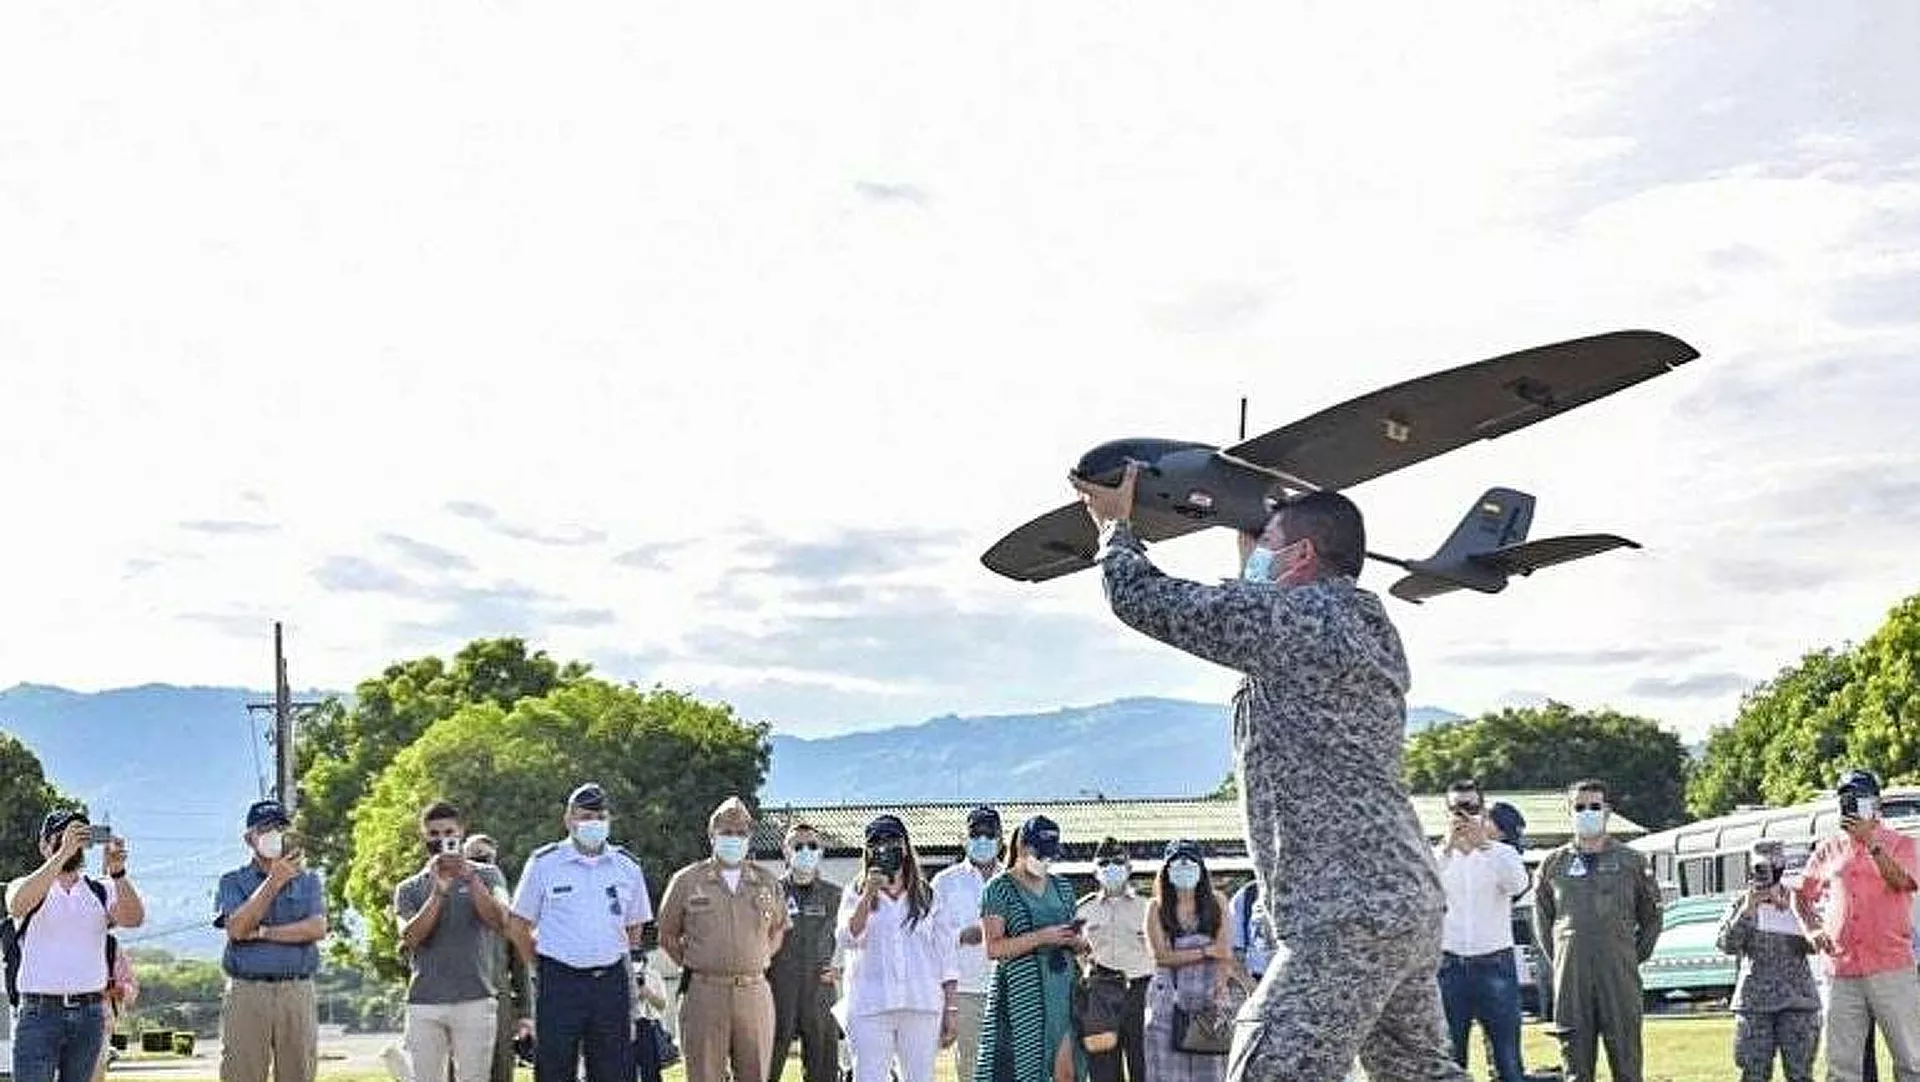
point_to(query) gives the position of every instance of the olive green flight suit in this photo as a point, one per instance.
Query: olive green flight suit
(1597, 917)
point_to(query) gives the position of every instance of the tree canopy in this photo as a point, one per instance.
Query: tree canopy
(25, 798)
(342, 749)
(1644, 766)
(664, 758)
(1835, 709)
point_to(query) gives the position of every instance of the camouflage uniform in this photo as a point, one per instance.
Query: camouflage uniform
(1344, 870)
(1776, 1003)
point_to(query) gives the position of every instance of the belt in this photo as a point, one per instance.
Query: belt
(1490, 955)
(595, 972)
(1109, 973)
(737, 980)
(61, 999)
(272, 978)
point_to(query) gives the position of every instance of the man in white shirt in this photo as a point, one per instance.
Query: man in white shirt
(958, 888)
(61, 917)
(1479, 976)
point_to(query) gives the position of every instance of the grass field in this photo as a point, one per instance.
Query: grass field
(1685, 1049)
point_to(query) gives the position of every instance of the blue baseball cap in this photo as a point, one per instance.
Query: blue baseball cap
(265, 812)
(1041, 837)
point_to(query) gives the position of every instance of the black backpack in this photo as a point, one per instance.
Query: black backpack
(11, 932)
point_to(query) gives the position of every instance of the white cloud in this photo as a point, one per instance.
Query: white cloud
(643, 286)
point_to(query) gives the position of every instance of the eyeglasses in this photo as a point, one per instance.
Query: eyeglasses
(798, 846)
(990, 835)
(1589, 807)
(1110, 862)
(1465, 809)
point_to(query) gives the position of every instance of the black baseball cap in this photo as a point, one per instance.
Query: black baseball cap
(1041, 837)
(886, 826)
(588, 797)
(1184, 849)
(263, 812)
(983, 820)
(1859, 783)
(59, 819)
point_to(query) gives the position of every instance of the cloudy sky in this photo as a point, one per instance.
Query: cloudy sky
(713, 343)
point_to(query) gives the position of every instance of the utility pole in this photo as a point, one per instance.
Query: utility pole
(283, 708)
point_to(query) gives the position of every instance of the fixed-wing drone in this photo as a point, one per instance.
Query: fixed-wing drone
(1184, 487)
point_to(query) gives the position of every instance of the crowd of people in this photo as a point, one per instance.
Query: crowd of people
(1356, 940)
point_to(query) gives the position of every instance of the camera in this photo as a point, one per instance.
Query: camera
(887, 860)
(1763, 876)
(448, 846)
(1849, 804)
(98, 833)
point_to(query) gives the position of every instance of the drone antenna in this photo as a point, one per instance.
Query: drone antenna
(1243, 418)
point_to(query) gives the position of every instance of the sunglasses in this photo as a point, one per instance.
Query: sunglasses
(1109, 862)
(1589, 807)
(798, 846)
(1465, 809)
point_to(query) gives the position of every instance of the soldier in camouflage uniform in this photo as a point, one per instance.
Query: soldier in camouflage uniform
(1776, 1004)
(1318, 725)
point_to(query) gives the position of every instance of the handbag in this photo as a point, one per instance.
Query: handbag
(1207, 1031)
(1099, 1005)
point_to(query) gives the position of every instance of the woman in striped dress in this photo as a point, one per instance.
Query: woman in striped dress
(1026, 918)
(1193, 949)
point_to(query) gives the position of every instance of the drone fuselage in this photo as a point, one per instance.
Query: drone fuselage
(1193, 481)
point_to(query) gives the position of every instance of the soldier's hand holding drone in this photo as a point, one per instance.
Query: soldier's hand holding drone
(1105, 504)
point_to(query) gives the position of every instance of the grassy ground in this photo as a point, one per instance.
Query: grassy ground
(1688, 1049)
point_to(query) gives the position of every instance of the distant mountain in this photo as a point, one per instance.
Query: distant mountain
(174, 768)
(1140, 747)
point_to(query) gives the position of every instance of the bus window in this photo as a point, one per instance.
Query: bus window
(1696, 876)
(1733, 870)
(1663, 867)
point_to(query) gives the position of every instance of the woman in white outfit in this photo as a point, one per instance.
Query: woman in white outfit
(902, 971)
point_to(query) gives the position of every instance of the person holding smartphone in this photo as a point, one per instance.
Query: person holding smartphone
(1776, 1002)
(274, 914)
(452, 913)
(1027, 917)
(901, 968)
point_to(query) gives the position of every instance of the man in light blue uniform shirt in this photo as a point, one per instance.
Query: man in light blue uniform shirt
(580, 906)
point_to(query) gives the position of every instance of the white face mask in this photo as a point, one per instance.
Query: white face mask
(270, 845)
(1036, 865)
(1184, 874)
(1589, 824)
(1113, 876)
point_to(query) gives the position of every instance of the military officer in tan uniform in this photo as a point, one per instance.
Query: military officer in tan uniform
(722, 919)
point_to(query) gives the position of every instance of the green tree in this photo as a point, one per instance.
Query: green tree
(1644, 766)
(1835, 709)
(25, 798)
(342, 749)
(664, 758)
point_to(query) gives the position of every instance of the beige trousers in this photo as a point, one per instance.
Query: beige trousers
(269, 1023)
(723, 1022)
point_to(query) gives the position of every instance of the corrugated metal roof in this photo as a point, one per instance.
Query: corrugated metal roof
(1143, 825)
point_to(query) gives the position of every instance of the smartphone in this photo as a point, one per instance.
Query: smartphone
(98, 833)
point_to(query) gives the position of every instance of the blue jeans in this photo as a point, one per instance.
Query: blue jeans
(1484, 987)
(51, 1041)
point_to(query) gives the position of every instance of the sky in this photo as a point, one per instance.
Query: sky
(712, 344)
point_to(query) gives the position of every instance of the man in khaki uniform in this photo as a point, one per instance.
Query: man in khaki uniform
(721, 920)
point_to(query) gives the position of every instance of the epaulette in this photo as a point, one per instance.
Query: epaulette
(544, 850)
(1093, 896)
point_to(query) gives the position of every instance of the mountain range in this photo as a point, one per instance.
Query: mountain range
(173, 769)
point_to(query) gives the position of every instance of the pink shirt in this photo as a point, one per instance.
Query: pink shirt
(1871, 924)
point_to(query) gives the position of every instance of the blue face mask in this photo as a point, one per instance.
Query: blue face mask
(1113, 876)
(805, 860)
(1589, 824)
(1184, 874)
(982, 850)
(1259, 565)
(591, 833)
(730, 848)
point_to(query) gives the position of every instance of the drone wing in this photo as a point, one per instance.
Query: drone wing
(1411, 422)
(1525, 559)
(1063, 541)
